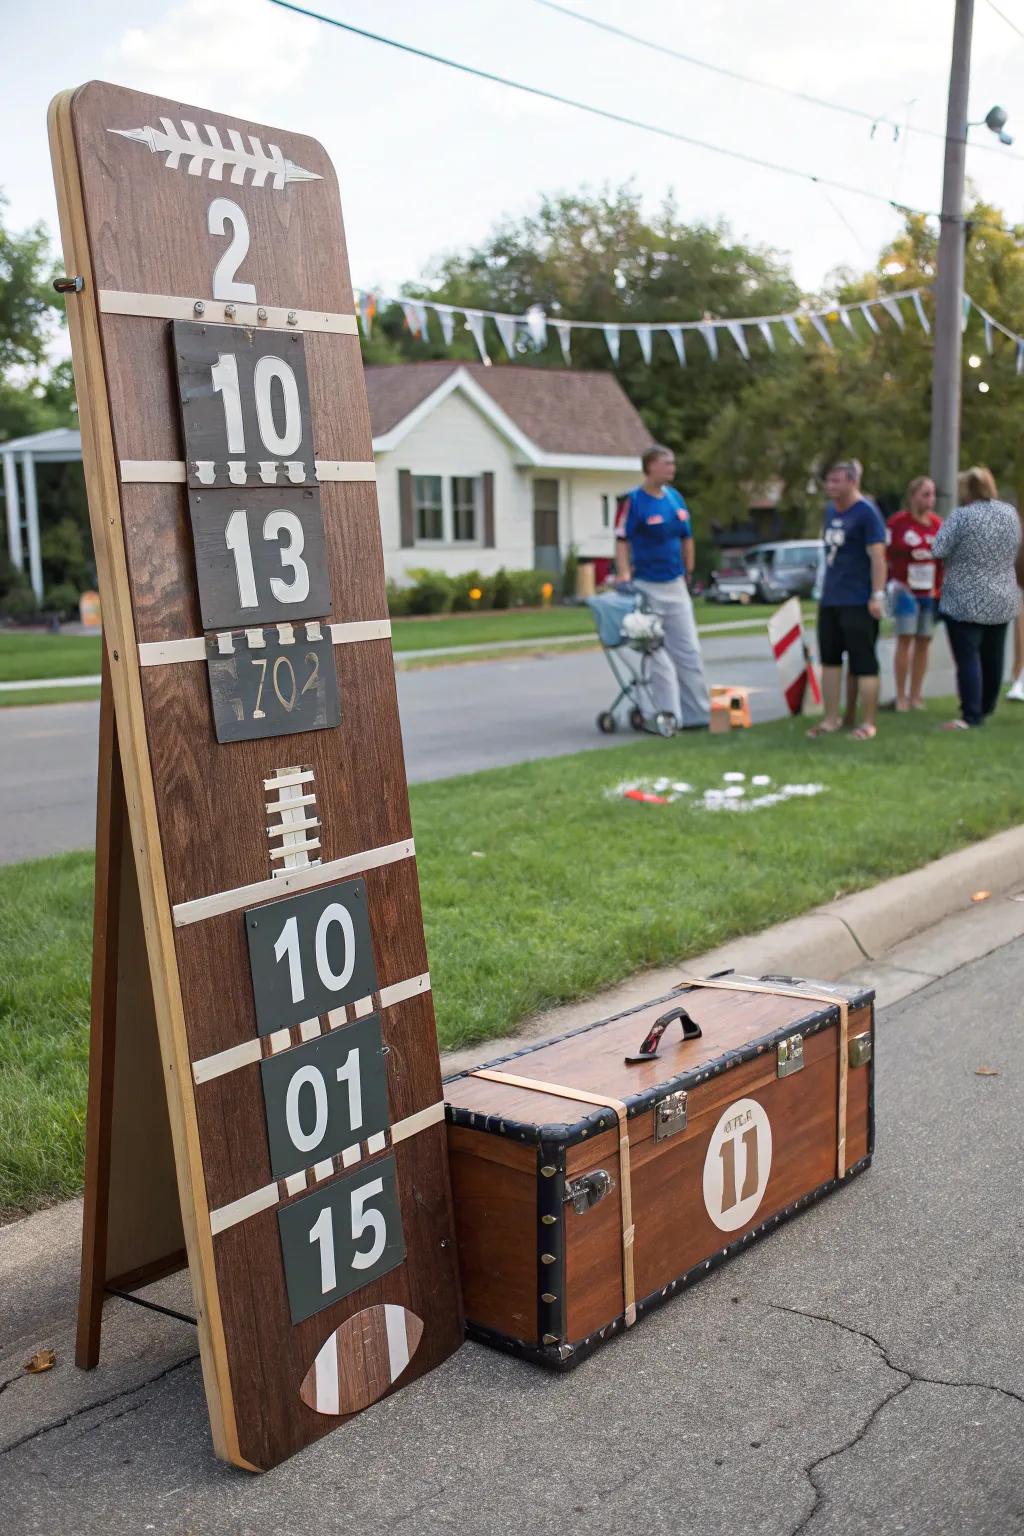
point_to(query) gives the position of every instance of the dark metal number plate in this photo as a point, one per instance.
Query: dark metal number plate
(244, 406)
(337, 1239)
(310, 953)
(271, 683)
(260, 556)
(325, 1096)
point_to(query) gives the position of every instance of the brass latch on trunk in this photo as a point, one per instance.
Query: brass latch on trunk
(670, 1115)
(860, 1050)
(791, 1055)
(588, 1190)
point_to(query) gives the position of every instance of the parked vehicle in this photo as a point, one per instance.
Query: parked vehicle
(733, 584)
(787, 569)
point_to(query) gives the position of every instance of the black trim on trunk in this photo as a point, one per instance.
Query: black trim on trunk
(564, 1357)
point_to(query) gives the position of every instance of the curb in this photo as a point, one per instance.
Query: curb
(825, 942)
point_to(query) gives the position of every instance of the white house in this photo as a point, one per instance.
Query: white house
(477, 467)
(480, 467)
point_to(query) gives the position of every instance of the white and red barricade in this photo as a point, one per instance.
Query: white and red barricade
(796, 667)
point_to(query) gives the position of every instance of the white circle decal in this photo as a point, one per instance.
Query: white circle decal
(737, 1165)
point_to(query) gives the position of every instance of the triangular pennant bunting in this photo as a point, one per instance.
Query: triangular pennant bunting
(919, 307)
(447, 319)
(892, 308)
(845, 317)
(710, 335)
(789, 321)
(867, 310)
(537, 326)
(564, 334)
(475, 321)
(1020, 357)
(735, 330)
(967, 312)
(675, 333)
(611, 336)
(507, 331)
(412, 318)
(819, 325)
(643, 336)
(986, 320)
(767, 333)
(421, 316)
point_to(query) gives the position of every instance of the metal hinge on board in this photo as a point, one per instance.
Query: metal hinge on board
(859, 1050)
(670, 1115)
(790, 1055)
(588, 1190)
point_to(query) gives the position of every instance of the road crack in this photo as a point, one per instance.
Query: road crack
(910, 1378)
(103, 1402)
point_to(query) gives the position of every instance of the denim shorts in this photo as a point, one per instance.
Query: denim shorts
(920, 623)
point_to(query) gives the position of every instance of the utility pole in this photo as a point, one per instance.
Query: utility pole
(949, 280)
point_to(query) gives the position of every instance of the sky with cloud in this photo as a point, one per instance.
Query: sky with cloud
(429, 159)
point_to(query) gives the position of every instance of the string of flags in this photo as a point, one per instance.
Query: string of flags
(531, 331)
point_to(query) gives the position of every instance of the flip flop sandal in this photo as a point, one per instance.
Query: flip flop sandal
(822, 730)
(864, 733)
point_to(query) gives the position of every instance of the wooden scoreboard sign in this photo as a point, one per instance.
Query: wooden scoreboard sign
(259, 945)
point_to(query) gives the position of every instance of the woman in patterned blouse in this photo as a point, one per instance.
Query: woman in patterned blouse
(978, 543)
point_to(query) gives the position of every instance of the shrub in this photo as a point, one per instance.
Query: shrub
(501, 589)
(569, 569)
(62, 600)
(398, 600)
(431, 592)
(19, 605)
(462, 586)
(527, 587)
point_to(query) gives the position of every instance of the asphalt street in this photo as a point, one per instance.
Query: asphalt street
(454, 720)
(859, 1371)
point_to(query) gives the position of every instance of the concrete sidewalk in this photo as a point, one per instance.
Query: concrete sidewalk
(859, 1371)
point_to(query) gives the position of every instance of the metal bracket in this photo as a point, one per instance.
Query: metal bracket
(670, 1115)
(68, 284)
(790, 1055)
(588, 1190)
(859, 1050)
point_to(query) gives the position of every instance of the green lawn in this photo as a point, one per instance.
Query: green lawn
(534, 624)
(575, 888)
(34, 654)
(71, 695)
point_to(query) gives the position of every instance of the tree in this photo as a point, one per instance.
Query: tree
(596, 256)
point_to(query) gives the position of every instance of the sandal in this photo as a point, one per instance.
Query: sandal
(954, 725)
(822, 729)
(864, 733)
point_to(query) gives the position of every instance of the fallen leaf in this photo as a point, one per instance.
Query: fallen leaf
(475, 855)
(42, 1360)
(986, 1072)
(981, 895)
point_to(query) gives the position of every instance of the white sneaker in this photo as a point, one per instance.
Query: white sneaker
(1016, 690)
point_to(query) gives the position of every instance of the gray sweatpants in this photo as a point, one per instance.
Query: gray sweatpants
(677, 671)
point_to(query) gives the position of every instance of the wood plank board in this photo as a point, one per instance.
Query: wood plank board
(167, 210)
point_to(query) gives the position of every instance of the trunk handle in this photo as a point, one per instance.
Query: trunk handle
(649, 1044)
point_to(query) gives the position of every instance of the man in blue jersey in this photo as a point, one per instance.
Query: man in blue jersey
(851, 601)
(658, 536)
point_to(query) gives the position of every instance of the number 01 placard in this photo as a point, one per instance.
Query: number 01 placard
(251, 710)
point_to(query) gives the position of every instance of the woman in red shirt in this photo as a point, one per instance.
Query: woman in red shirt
(909, 538)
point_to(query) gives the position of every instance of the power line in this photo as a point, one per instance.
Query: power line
(718, 69)
(769, 85)
(585, 106)
(619, 117)
(1003, 17)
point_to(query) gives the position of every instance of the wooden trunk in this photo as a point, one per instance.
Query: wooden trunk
(720, 1137)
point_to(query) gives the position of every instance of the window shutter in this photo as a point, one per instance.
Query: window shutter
(488, 509)
(406, 528)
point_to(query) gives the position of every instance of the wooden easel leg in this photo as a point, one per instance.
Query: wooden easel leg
(110, 820)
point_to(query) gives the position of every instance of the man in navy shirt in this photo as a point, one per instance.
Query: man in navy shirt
(851, 599)
(658, 534)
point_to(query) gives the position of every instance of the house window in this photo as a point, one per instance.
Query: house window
(465, 489)
(428, 508)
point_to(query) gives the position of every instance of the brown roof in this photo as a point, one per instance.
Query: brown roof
(561, 410)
